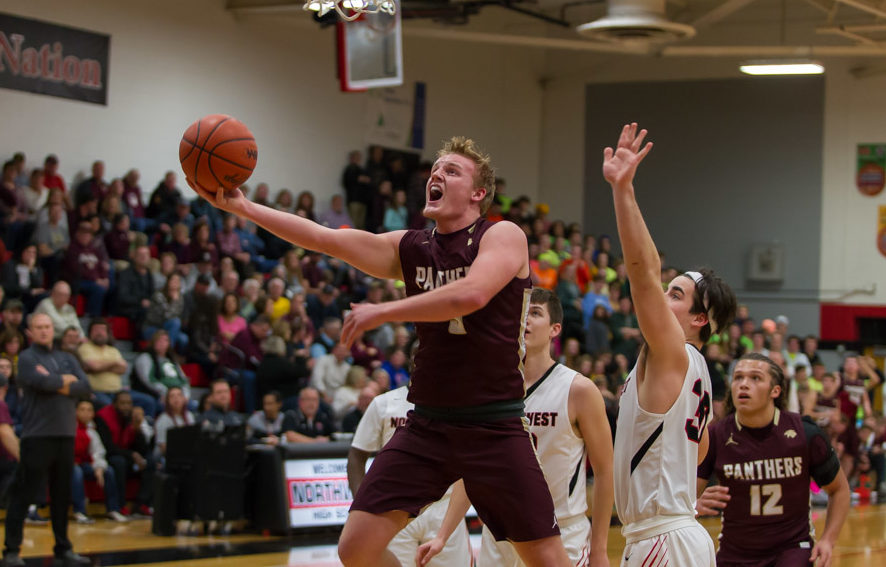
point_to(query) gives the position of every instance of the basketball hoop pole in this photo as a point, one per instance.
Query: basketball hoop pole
(350, 10)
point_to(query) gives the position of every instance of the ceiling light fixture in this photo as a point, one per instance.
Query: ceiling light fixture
(782, 68)
(350, 10)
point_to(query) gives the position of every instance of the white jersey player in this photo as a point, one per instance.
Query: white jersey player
(384, 415)
(661, 433)
(567, 420)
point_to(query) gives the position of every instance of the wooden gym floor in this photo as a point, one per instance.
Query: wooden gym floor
(862, 543)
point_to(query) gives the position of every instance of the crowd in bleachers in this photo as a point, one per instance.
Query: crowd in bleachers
(178, 312)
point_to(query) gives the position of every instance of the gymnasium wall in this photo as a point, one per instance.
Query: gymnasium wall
(172, 62)
(850, 270)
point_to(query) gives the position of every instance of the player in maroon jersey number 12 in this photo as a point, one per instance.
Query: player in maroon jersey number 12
(764, 458)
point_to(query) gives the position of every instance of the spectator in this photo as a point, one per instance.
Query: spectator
(330, 371)
(168, 266)
(13, 314)
(305, 202)
(90, 464)
(251, 293)
(87, 263)
(250, 242)
(53, 239)
(127, 437)
(117, 241)
(105, 367)
(230, 283)
(201, 324)
(59, 309)
(275, 295)
(35, 192)
(329, 335)
(9, 444)
(794, 357)
(23, 278)
(283, 201)
(276, 373)
(84, 212)
(175, 414)
(397, 215)
(599, 295)
(229, 242)
(570, 297)
(94, 187)
(156, 370)
(382, 379)
(51, 178)
(181, 246)
(202, 246)
(810, 349)
(262, 192)
(164, 198)
(345, 398)
(230, 322)
(266, 425)
(397, 367)
(219, 402)
(625, 330)
(321, 308)
(336, 216)
(309, 423)
(165, 312)
(244, 355)
(201, 208)
(353, 417)
(291, 273)
(358, 189)
(135, 287)
(205, 267)
(597, 335)
(51, 382)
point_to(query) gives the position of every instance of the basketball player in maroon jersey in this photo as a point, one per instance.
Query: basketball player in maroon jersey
(764, 458)
(467, 283)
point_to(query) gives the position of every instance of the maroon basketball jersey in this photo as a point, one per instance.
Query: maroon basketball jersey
(767, 471)
(476, 359)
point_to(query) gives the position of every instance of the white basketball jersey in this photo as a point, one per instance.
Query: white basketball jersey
(384, 415)
(560, 451)
(656, 455)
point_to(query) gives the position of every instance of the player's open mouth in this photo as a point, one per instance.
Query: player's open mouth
(435, 193)
(744, 397)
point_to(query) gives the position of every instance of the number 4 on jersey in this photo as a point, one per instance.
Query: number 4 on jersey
(695, 426)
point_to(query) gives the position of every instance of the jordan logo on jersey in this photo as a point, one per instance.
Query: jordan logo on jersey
(731, 441)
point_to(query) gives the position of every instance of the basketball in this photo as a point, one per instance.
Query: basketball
(218, 151)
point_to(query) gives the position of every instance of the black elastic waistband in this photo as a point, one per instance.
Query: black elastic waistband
(487, 412)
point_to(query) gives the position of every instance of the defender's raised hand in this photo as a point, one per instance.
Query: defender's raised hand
(620, 164)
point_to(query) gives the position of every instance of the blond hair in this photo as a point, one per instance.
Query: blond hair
(484, 176)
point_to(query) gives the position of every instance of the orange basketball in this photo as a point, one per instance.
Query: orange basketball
(218, 150)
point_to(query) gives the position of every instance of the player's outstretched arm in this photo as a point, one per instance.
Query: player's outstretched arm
(455, 515)
(590, 412)
(503, 255)
(838, 510)
(376, 254)
(659, 326)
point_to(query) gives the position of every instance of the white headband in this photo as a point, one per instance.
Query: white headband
(697, 277)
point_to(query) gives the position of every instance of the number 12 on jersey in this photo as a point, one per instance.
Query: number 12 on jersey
(772, 493)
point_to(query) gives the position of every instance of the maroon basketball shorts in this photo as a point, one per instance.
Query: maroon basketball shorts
(495, 458)
(793, 557)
